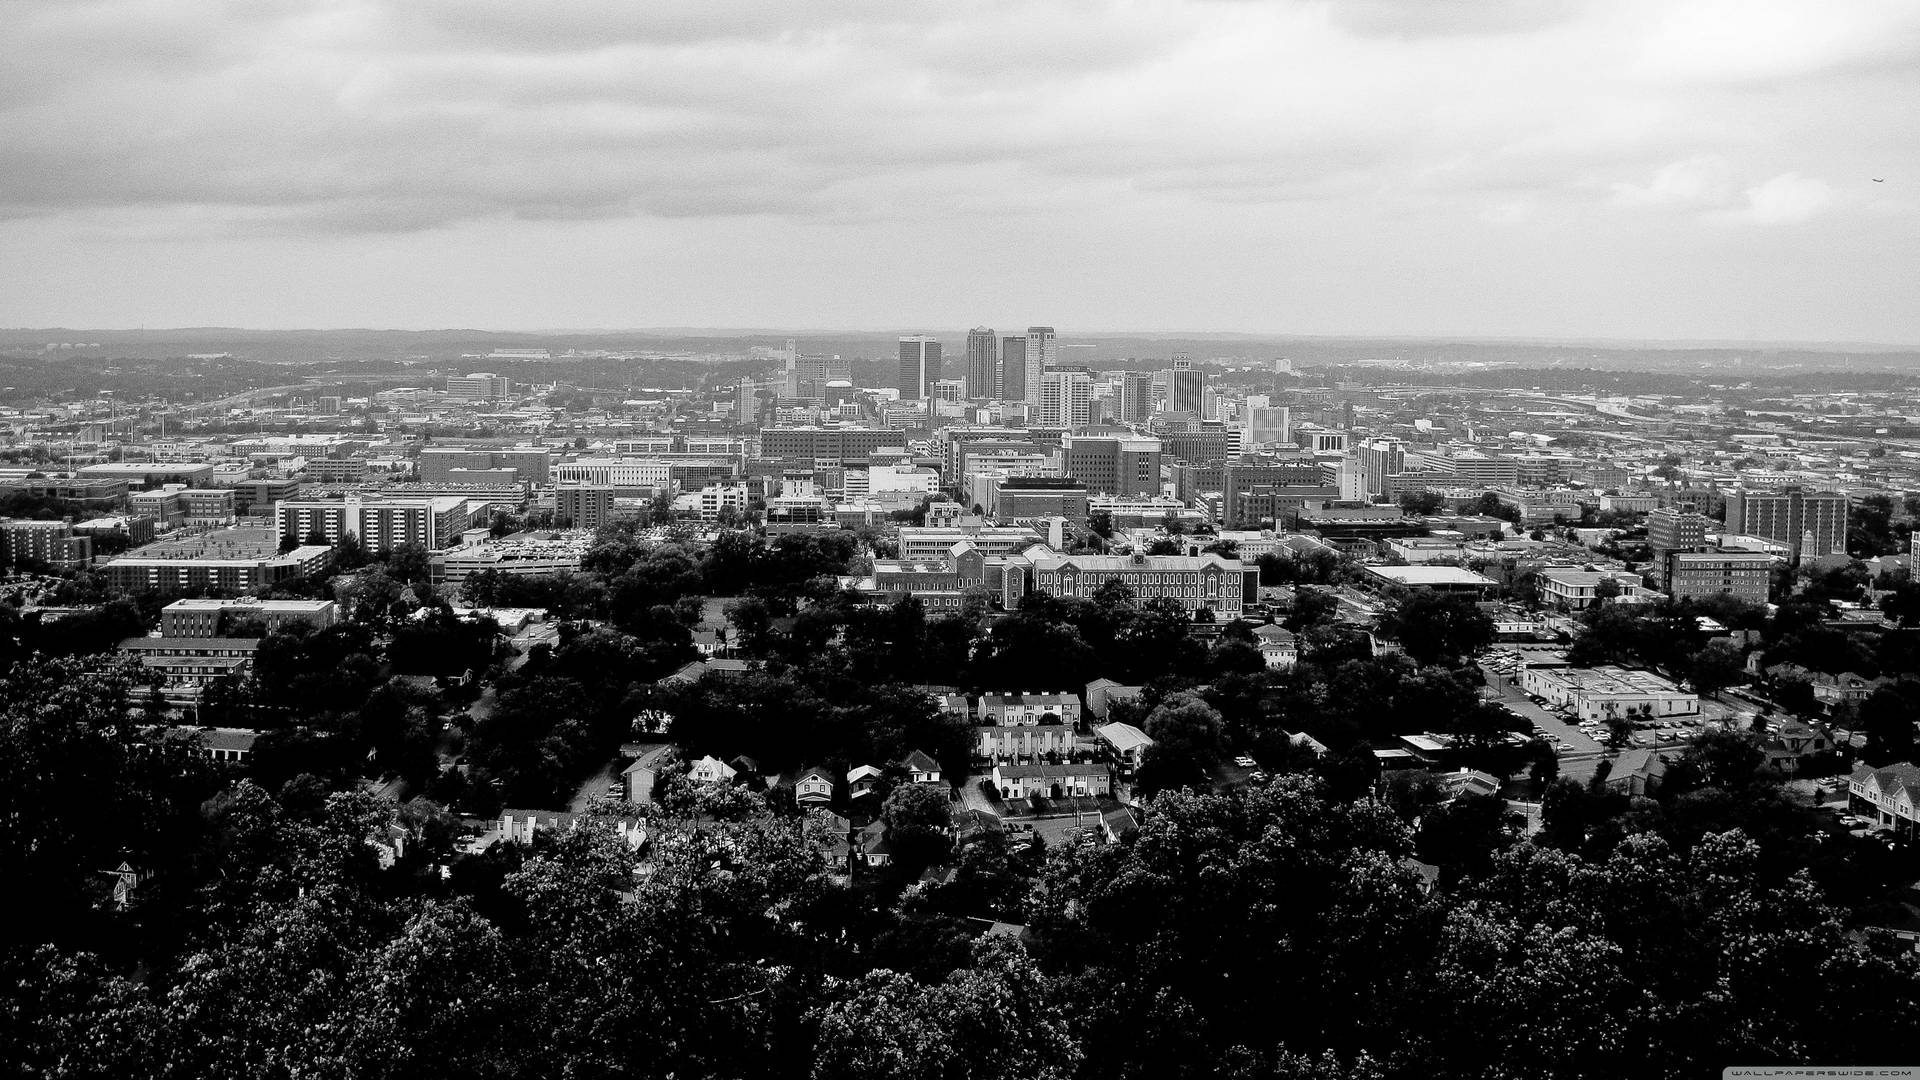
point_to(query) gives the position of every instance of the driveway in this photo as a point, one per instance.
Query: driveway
(594, 787)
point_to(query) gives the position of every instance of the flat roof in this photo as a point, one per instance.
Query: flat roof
(1430, 575)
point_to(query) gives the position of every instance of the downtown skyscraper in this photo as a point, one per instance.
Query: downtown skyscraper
(919, 367)
(983, 364)
(1043, 352)
(1013, 369)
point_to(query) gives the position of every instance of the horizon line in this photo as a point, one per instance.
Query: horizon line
(744, 331)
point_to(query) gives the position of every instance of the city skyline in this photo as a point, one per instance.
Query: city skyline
(1566, 171)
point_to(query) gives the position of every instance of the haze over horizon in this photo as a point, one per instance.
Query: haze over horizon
(1568, 170)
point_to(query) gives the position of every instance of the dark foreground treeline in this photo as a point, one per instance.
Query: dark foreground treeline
(1274, 933)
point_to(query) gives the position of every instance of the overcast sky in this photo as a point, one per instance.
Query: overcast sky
(1561, 168)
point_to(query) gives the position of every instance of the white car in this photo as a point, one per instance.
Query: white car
(1244, 762)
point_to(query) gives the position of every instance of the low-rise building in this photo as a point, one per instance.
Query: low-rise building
(1040, 780)
(1029, 708)
(1577, 590)
(225, 562)
(1607, 692)
(1126, 745)
(206, 618)
(1741, 574)
(1193, 583)
(1890, 796)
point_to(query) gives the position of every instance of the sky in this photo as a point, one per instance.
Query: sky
(1630, 169)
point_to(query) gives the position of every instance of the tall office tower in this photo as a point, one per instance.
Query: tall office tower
(1381, 458)
(1186, 386)
(1809, 523)
(1134, 397)
(919, 366)
(982, 363)
(1042, 353)
(1066, 399)
(1013, 369)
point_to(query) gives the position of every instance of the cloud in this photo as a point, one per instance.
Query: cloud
(1703, 180)
(399, 115)
(1787, 199)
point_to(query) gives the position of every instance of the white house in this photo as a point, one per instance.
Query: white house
(814, 788)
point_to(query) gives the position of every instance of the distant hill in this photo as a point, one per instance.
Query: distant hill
(442, 346)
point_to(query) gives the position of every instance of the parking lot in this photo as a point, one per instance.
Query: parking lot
(1502, 667)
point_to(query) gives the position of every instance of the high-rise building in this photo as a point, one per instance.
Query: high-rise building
(1809, 523)
(1379, 459)
(1066, 399)
(983, 363)
(1186, 386)
(584, 506)
(1672, 528)
(1013, 369)
(1133, 397)
(1043, 352)
(919, 366)
(1114, 464)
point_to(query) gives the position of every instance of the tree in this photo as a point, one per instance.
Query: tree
(1186, 734)
(1436, 627)
(1715, 667)
(348, 553)
(408, 563)
(994, 1020)
(1887, 718)
(918, 822)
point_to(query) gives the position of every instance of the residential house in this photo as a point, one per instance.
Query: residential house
(1637, 772)
(1791, 744)
(862, 780)
(1300, 740)
(1428, 873)
(814, 787)
(921, 769)
(875, 848)
(1118, 822)
(709, 643)
(711, 770)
